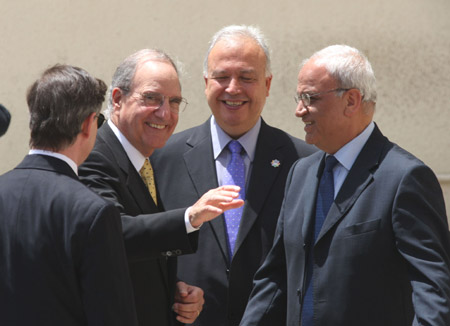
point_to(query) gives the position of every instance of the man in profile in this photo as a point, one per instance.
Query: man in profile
(62, 257)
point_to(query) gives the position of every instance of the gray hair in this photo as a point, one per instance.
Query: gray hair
(234, 31)
(350, 67)
(124, 74)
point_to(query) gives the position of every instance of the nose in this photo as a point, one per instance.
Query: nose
(163, 111)
(301, 110)
(234, 86)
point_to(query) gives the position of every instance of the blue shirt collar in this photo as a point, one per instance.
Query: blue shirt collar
(220, 139)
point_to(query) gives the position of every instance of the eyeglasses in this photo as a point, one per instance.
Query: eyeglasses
(305, 98)
(100, 120)
(156, 100)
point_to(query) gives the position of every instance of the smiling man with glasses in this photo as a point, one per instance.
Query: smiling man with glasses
(362, 238)
(144, 104)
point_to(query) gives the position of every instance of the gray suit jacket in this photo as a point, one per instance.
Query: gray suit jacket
(382, 256)
(184, 170)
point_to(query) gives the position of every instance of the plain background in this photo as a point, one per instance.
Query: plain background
(407, 42)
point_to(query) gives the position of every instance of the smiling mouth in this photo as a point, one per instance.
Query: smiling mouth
(308, 123)
(234, 103)
(155, 125)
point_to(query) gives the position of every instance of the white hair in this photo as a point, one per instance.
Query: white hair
(350, 67)
(233, 31)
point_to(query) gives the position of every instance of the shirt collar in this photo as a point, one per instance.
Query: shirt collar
(136, 157)
(60, 156)
(349, 152)
(248, 141)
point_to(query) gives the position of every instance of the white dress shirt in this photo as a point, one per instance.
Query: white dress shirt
(138, 160)
(60, 156)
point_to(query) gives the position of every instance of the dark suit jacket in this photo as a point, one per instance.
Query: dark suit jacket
(62, 257)
(152, 238)
(184, 170)
(382, 256)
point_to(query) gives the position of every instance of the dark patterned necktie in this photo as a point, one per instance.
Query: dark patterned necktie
(325, 197)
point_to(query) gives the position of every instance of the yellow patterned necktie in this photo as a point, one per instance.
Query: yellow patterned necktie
(148, 178)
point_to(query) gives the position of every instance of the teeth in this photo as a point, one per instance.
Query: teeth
(156, 126)
(234, 103)
(308, 123)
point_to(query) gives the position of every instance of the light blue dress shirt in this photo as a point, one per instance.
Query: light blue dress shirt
(222, 155)
(347, 155)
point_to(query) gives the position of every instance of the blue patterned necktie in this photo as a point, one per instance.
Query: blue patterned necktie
(325, 197)
(234, 175)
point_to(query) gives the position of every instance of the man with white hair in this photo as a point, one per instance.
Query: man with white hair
(362, 238)
(237, 77)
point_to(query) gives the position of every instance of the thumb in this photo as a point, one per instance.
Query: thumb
(182, 289)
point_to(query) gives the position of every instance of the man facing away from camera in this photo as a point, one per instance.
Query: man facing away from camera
(62, 256)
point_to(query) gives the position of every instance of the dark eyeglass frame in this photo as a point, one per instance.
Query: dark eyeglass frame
(155, 100)
(305, 98)
(100, 120)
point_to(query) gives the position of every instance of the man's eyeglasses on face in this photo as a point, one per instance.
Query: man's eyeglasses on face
(305, 98)
(100, 119)
(156, 100)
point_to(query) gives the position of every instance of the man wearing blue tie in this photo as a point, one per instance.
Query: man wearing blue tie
(362, 238)
(234, 146)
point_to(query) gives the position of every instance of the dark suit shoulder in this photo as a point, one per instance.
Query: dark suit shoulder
(302, 148)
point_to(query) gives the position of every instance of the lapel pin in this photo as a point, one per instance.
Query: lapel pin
(275, 163)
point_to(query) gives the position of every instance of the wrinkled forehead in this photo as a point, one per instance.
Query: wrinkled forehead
(157, 74)
(314, 75)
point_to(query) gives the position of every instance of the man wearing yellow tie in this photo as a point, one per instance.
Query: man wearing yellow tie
(145, 98)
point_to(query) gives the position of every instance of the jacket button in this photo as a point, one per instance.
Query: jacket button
(169, 253)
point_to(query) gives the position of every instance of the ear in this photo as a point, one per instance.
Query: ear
(353, 101)
(268, 83)
(116, 97)
(86, 126)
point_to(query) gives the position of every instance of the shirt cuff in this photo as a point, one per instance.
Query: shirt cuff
(189, 227)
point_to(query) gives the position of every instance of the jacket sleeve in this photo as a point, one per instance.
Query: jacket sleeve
(422, 238)
(147, 234)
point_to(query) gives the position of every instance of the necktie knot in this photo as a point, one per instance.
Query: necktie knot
(330, 163)
(235, 147)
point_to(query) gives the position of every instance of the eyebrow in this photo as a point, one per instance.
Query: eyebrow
(224, 72)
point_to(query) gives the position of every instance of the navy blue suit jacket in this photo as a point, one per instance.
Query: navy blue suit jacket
(62, 257)
(381, 258)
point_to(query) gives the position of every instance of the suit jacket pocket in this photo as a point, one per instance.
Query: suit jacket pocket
(361, 228)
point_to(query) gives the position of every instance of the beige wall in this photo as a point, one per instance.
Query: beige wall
(407, 41)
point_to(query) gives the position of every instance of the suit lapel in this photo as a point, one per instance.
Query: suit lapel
(263, 175)
(358, 178)
(312, 177)
(134, 182)
(199, 160)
